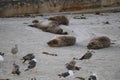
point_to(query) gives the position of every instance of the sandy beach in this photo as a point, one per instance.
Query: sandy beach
(104, 62)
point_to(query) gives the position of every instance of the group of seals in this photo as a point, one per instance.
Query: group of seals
(65, 40)
(95, 43)
(53, 25)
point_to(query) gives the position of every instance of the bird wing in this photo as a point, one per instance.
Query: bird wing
(86, 56)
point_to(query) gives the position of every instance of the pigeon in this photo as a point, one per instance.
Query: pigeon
(87, 55)
(92, 77)
(16, 69)
(66, 74)
(14, 50)
(71, 65)
(29, 56)
(32, 64)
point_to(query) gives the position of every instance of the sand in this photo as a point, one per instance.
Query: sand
(104, 62)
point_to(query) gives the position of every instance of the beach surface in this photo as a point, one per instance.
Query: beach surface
(104, 62)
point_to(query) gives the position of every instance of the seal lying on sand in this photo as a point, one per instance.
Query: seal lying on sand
(60, 19)
(52, 27)
(59, 41)
(99, 42)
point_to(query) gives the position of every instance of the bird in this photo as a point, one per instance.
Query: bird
(93, 76)
(14, 50)
(29, 56)
(16, 69)
(87, 55)
(66, 74)
(71, 65)
(2, 54)
(32, 64)
(1, 58)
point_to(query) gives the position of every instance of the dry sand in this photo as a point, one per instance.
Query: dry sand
(104, 62)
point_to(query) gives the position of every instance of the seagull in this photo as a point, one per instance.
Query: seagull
(29, 56)
(14, 50)
(87, 55)
(71, 65)
(92, 77)
(32, 64)
(1, 58)
(2, 54)
(16, 69)
(66, 74)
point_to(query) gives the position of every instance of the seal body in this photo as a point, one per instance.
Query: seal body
(59, 41)
(51, 26)
(99, 42)
(60, 19)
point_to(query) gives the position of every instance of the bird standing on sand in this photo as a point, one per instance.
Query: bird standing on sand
(1, 58)
(29, 56)
(14, 50)
(32, 64)
(92, 77)
(2, 54)
(87, 55)
(16, 69)
(66, 74)
(71, 65)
